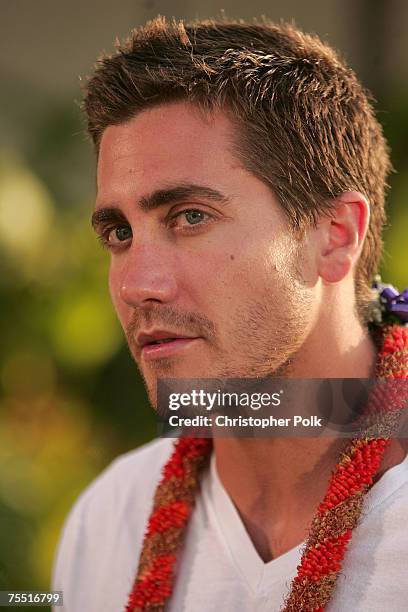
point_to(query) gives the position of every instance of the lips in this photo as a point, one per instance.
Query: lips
(159, 336)
(161, 343)
(167, 349)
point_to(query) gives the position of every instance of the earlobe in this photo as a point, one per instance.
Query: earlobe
(334, 270)
(342, 236)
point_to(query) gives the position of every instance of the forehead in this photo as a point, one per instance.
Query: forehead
(169, 143)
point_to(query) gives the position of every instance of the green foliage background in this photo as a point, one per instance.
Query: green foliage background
(70, 396)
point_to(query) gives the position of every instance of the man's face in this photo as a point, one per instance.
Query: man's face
(200, 249)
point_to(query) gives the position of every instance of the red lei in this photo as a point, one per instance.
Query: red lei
(332, 525)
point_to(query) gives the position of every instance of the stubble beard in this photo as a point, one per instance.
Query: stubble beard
(266, 334)
(273, 329)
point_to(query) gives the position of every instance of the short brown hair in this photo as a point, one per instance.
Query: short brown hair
(306, 125)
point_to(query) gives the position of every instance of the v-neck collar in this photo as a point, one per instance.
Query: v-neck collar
(258, 575)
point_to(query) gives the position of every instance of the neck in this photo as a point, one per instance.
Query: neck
(277, 483)
(337, 346)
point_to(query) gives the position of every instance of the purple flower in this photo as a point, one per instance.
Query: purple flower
(394, 302)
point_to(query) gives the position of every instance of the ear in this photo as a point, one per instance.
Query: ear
(341, 236)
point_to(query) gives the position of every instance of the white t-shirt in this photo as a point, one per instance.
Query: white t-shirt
(220, 568)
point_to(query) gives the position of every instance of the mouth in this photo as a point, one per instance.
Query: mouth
(167, 347)
(160, 343)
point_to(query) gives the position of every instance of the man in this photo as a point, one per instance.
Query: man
(241, 177)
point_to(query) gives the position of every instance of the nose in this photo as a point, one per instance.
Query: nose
(146, 276)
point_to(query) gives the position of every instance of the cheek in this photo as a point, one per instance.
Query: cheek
(223, 280)
(258, 275)
(114, 290)
(256, 267)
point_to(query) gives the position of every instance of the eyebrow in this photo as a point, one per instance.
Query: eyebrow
(160, 197)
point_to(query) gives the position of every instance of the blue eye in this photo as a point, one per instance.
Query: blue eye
(123, 233)
(112, 237)
(193, 216)
(190, 219)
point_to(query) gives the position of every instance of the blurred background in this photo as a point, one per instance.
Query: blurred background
(71, 398)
